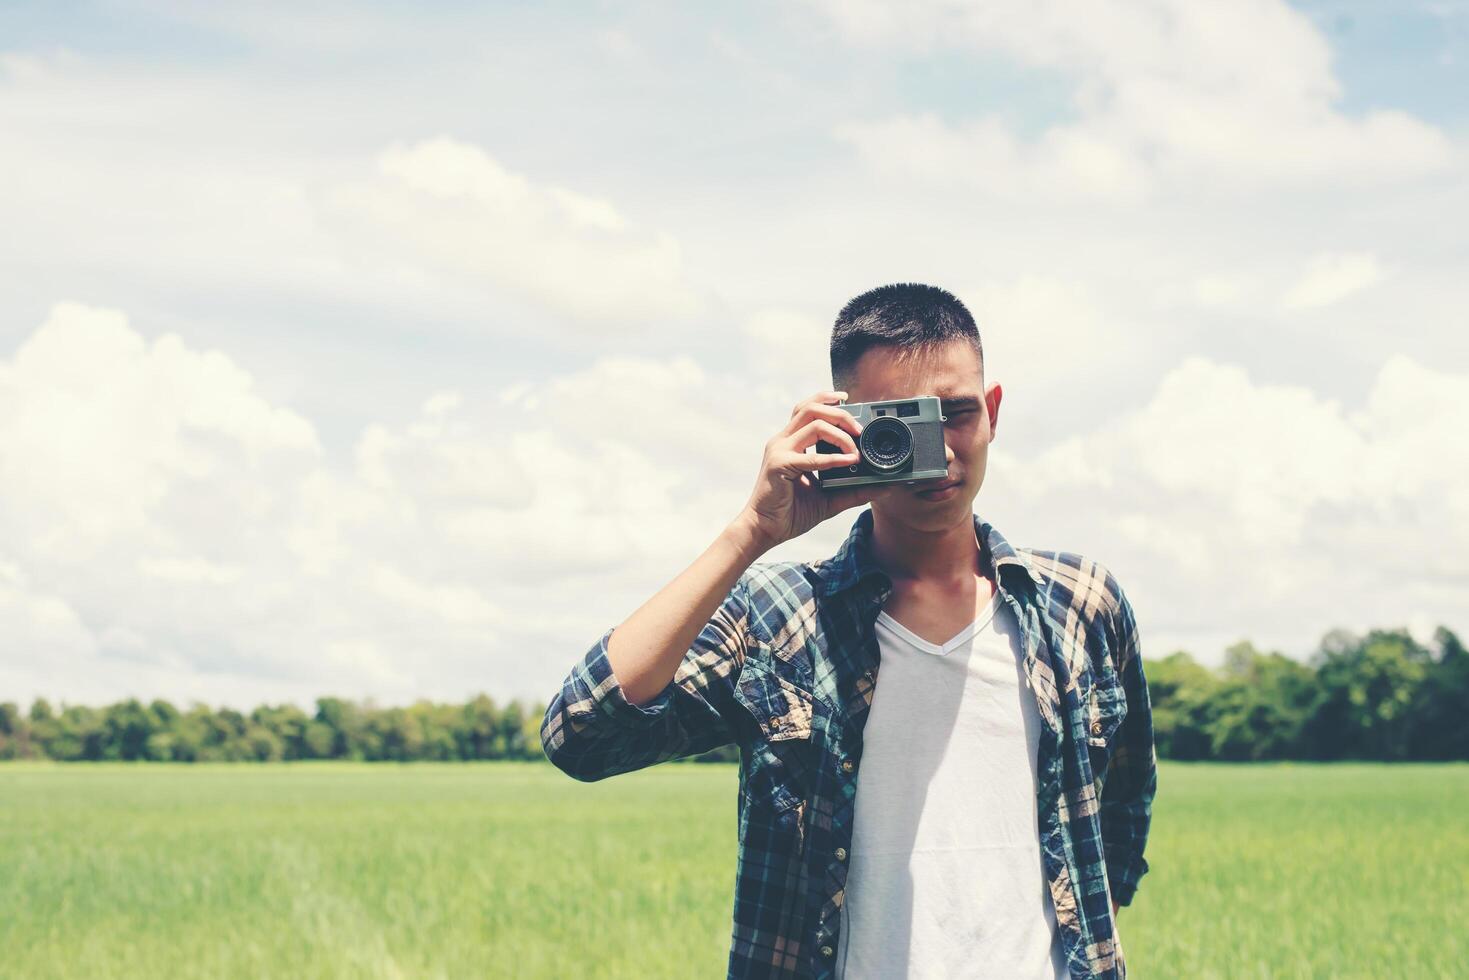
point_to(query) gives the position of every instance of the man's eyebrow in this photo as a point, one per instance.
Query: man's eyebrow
(958, 402)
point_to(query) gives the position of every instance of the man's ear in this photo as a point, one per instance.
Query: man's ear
(992, 398)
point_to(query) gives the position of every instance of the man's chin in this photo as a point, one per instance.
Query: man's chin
(920, 512)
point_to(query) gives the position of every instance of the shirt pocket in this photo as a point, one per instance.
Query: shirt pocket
(779, 763)
(1105, 707)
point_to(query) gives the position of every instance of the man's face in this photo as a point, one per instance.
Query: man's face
(954, 374)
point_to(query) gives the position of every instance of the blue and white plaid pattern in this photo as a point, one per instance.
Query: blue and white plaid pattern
(786, 670)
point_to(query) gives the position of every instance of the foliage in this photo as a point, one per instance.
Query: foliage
(130, 731)
(1379, 696)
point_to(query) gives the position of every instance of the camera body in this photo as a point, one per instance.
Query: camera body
(902, 441)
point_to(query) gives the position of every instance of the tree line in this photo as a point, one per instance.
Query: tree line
(1377, 696)
(131, 731)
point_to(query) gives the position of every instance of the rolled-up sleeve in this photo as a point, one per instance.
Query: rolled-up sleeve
(591, 730)
(1132, 771)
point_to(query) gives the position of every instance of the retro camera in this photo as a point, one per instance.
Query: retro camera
(902, 442)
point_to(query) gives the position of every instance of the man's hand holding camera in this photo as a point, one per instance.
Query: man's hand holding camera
(787, 500)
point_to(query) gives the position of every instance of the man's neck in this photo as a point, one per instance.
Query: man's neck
(946, 557)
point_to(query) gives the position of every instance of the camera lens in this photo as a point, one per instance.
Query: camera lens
(887, 443)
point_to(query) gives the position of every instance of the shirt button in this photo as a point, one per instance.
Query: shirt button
(848, 765)
(828, 952)
(841, 853)
(1096, 728)
(775, 722)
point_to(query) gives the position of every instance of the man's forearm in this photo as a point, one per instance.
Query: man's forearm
(1132, 769)
(1125, 822)
(646, 649)
(1124, 872)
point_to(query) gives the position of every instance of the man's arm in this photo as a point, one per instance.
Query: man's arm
(1132, 770)
(659, 686)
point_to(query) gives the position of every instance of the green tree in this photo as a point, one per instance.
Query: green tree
(319, 741)
(264, 744)
(41, 711)
(1181, 691)
(15, 733)
(478, 732)
(436, 727)
(510, 732)
(127, 727)
(345, 720)
(530, 732)
(397, 735)
(1368, 687)
(1261, 706)
(287, 723)
(1441, 710)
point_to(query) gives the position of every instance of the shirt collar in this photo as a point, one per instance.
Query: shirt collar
(854, 563)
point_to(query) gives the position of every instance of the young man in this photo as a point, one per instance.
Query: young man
(981, 812)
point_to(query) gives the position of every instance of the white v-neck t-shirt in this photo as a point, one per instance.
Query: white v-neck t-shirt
(945, 876)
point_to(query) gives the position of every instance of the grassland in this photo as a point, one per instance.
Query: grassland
(490, 870)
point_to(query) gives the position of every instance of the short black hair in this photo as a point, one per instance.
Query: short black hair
(908, 316)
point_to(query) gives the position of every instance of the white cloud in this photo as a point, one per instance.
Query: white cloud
(985, 156)
(790, 346)
(432, 449)
(486, 540)
(1332, 277)
(1266, 505)
(1221, 289)
(99, 430)
(136, 184)
(1169, 95)
(1266, 457)
(1048, 326)
(35, 623)
(455, 604)
(169, 532)
(448, 208)
(189, 570)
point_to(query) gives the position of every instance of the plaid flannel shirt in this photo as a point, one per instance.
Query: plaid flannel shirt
(786, 669)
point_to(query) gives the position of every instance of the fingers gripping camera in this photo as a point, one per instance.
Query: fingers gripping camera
(902, 442)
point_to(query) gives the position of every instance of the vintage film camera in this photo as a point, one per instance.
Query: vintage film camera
(901, 441)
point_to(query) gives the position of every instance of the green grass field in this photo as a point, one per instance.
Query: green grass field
(326, 870)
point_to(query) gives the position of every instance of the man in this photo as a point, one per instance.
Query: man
(980, 812)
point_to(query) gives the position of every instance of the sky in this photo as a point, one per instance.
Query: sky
(396, 351)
